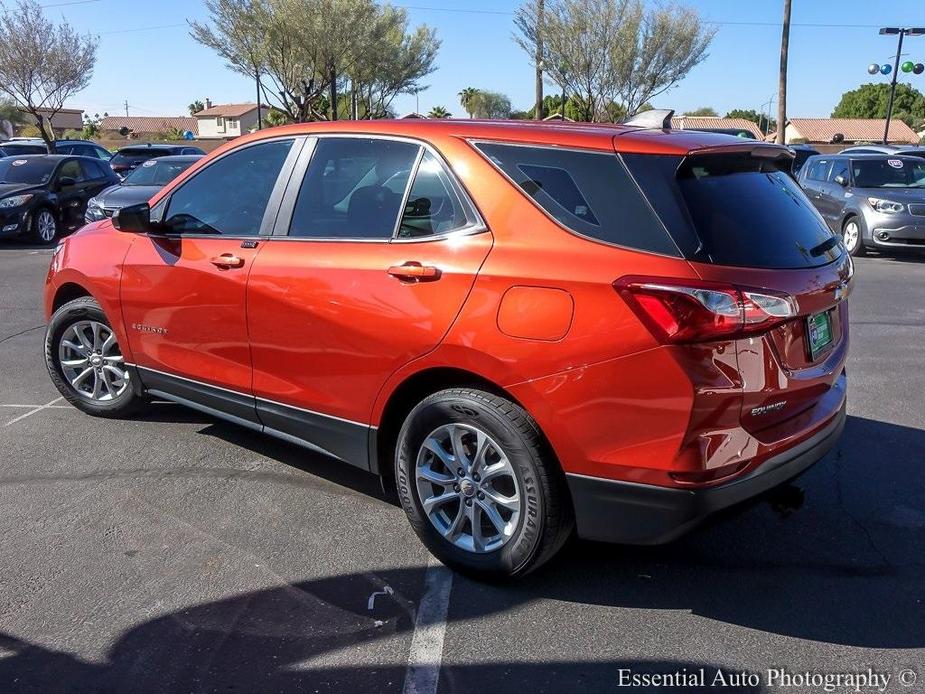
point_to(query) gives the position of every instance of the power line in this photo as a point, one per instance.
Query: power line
(815, 25)
(71, 2)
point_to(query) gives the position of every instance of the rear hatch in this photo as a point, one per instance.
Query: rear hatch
(749, 232)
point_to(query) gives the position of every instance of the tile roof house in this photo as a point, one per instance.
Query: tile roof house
(847, 131)
(142, 126)
(228, 120)
(716, 123)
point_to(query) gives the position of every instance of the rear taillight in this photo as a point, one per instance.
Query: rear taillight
(696, 311)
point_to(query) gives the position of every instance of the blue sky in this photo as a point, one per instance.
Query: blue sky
(147, 57)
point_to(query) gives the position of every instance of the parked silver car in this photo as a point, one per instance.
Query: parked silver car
(872, 200)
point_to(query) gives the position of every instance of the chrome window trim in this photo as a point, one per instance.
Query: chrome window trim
(582, 150)
(281, 230)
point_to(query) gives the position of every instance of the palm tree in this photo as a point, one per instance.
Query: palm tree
(467, 99)
(439, 112)
(196, 107)
(782, 76)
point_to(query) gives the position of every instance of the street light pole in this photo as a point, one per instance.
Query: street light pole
(902, 32)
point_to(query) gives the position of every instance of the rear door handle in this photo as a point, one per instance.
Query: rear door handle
(415, 272)
(227, 260)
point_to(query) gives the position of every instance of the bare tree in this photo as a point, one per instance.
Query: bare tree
(670, 41)
(606, 51)
(782, 77)
(42, 65)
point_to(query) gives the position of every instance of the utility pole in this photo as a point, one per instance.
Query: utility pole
(259, 112)
(126, 108)
(902, 32)
(782, 77)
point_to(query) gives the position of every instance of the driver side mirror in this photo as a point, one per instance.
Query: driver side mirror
(841, 180)
(134, 219)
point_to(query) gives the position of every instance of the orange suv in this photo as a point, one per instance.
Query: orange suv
(530, 329)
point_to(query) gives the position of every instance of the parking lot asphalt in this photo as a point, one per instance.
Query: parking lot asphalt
(177, 553)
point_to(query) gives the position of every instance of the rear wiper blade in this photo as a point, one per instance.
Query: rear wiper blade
(826, 245)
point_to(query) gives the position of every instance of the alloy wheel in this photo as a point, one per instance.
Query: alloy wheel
(92, 362)
(46, 226)
(852, 235)
(467, 488)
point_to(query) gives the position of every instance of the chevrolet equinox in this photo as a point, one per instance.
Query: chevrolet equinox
(530, 329)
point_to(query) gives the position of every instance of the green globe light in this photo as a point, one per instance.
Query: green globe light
(908, 66)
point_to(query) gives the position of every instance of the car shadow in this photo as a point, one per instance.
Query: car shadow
(847, 568)
(305, 637)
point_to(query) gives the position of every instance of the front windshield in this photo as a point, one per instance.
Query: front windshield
(155, 172)
(889, 173)
(35, 170)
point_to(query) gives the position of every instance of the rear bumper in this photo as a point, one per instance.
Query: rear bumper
(643, 514)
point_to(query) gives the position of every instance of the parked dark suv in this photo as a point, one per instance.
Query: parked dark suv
(872, 200)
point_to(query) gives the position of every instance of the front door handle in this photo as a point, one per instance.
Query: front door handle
(415, 272)
(227, 260)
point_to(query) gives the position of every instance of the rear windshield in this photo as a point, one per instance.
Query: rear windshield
(590, 193)
(135, 156)
(891, 172)
(746, 211)
(156, 173)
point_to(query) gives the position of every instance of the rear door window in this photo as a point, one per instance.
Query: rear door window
(353, 188)
(590, 193)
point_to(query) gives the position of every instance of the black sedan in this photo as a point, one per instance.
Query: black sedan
(46, 194)
(139, 186)
(128, 159)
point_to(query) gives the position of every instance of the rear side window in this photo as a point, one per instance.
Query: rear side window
(435, 204)
(590, 193)
(749, 213)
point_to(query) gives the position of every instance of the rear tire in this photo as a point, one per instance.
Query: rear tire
(479, 460)
(85, 363)
(853, 237)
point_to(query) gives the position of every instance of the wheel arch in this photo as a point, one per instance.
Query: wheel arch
(68, 291)
(409, 393)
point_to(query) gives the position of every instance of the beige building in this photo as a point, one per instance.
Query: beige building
(228, 120)
(65, 119)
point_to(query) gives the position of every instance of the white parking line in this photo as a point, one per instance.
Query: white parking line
(33, 411)
(44, 407)
(423, 672)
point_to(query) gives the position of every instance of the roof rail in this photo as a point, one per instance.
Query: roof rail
(653, 118)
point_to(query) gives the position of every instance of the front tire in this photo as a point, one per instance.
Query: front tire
(44, 226)
(853, 237)
(85, 362)
(480, 485)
